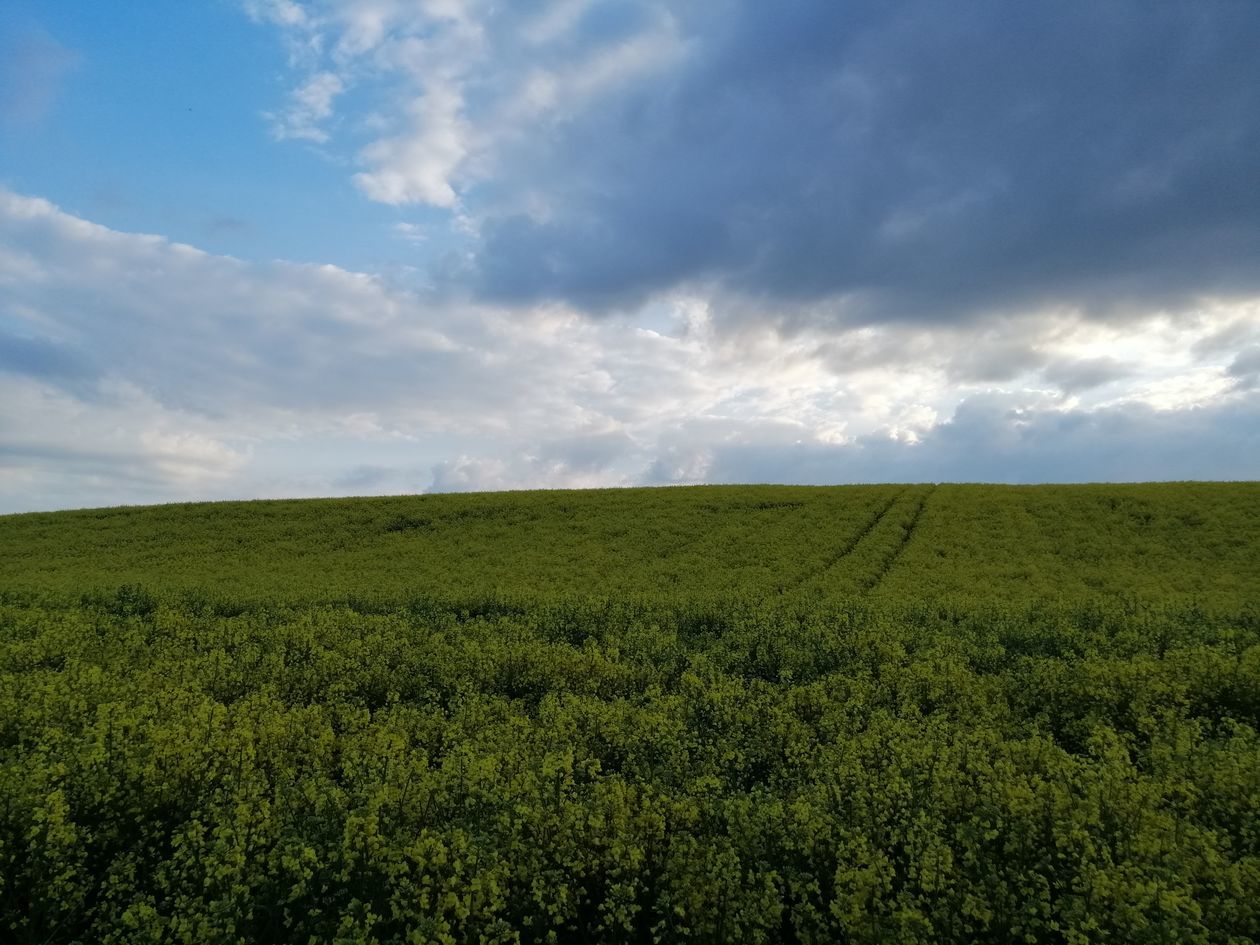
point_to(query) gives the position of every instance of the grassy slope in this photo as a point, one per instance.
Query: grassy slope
(1156, 542)
(890, 736)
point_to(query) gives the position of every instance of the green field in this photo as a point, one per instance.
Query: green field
(1185, 542)
(713, 714)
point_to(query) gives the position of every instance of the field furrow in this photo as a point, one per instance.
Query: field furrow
(845, 549)
(899, 548)
(864, 560)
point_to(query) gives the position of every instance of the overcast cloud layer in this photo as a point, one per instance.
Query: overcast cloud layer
(919, 160)
(651, 244)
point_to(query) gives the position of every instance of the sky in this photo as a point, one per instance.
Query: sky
(265, 248)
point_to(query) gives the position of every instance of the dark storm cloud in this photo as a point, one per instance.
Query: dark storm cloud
(1074, 376)
(925, 160)
(994, 363)
(1245, 369)
(1232, 337)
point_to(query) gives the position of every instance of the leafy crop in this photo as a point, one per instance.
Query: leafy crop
(745, 714)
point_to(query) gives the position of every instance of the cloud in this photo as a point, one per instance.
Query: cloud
(997, 439)
(120, 446)
(287, 13)
(133, 368)
(571, 462)
(310, 105)
(1074, 376)
(33, 68)
(37, 357)
(212, 333)
(1245, 368)
(814, 163)
(417, 165)
(364, 477)
(411, 232)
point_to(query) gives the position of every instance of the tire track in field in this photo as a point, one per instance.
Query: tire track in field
(874, 580)
(844, 550)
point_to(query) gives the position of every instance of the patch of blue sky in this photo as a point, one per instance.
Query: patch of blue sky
(159, 126)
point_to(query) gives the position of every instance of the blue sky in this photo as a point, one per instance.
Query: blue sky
(270, 247)
(152, 120)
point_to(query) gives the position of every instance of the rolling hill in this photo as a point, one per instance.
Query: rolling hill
(922, 713)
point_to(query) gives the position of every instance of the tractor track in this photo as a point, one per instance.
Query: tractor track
(845, 550)
(897, 552)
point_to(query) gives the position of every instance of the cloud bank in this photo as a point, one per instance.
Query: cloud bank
(808, 163)
(133, 368)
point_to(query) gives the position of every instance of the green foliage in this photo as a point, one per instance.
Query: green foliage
(1183, 541)
(703, 715)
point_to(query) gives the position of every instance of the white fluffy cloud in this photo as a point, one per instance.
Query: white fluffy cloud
(137, 369)
(418, 164)
(452, 82)
(310, 105)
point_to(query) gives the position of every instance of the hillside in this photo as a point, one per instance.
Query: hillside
(1155, 542)
(910, 714)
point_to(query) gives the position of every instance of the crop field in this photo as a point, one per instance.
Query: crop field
(744, 714)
